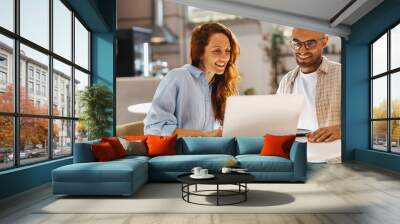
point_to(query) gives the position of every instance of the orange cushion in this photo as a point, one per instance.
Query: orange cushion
(135, 137)
(103, 151)
(116, 145)
(161, 145)
(277, 145)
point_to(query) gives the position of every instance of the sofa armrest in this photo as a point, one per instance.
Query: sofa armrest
(298, 155)
(83, 152)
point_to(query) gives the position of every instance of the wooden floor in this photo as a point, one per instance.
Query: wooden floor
(378, 188)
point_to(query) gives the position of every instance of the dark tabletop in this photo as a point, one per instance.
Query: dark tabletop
(220, 178)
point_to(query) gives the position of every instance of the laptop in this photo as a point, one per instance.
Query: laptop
(257, 115)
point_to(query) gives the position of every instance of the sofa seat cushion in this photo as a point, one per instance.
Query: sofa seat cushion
(185, 163)
(257, 163)
(133, 158)
(112, 171)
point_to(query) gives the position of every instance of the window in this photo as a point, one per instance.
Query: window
(43, 90)
(37, 75)
(34, 21)
(62, 31)
(62, 140)
(81, 45)
(44, 77)
(81, 81)
(30, 87)
(6, 75)
(3, 78)
(33, 149)
(55, 101)
(62, 75)
(30, 72)
(45, 131)
(3, 72)
(38, 89)
(6, 143)
(7, 14)
(3, 61)
(385, 91)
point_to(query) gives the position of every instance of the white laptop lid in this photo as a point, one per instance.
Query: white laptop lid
(258, 115)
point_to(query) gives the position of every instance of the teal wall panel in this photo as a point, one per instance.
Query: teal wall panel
(356, 85)
(379, 159)
(103, 64)
(24, 178)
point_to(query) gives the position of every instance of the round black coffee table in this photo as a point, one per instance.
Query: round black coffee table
(238, 179)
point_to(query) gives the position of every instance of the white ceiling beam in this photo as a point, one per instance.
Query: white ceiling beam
(268, 15)
(348, 12)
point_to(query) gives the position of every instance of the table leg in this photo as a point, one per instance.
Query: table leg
(188, 190)
(182, 188)
(217, 194)
(245, 191)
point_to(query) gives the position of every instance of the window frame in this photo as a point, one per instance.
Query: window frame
(388, 74)
(16, 114)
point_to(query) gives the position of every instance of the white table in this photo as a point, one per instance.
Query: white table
(140, 108)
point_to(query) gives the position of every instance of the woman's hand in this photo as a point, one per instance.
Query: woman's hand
(197, 133)
(214, 133)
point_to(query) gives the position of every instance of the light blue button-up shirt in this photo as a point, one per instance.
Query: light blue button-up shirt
(182, 100)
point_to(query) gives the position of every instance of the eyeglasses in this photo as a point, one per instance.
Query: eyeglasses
(308, 44)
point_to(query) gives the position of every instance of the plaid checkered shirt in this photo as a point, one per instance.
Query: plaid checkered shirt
(328, 91)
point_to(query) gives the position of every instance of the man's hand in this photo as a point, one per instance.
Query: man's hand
(327, 134)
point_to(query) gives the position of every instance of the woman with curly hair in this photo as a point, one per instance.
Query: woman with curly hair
(190, 100)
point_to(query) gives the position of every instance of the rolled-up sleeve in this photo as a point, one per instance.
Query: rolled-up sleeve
(161, 120)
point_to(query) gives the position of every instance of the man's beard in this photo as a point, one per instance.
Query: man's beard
(313, 62)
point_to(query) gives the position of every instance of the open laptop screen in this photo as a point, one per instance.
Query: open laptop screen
(258, 115)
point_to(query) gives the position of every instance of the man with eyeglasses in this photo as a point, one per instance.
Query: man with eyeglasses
(319, 81)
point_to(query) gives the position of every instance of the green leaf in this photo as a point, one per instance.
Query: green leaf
(96, 102)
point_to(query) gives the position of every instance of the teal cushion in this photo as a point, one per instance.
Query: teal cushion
(257, 163)
(83, 152)
(206, 145)
(249, 145)
(111, 171)
(133, 158)
(185, 163)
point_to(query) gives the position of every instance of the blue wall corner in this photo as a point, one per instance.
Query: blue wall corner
(104, 54)
(356, 100)
(89, 11)
(356, 74)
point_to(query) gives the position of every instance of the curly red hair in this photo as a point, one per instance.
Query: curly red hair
(224, 85)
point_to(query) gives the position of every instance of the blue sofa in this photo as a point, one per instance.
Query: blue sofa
(125, 176)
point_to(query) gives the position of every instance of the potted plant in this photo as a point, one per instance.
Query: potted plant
(275, 43)
(96, 102)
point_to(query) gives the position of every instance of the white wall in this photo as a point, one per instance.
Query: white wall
(252, 61)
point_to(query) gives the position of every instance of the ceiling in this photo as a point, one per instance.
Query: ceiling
(330, 16)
